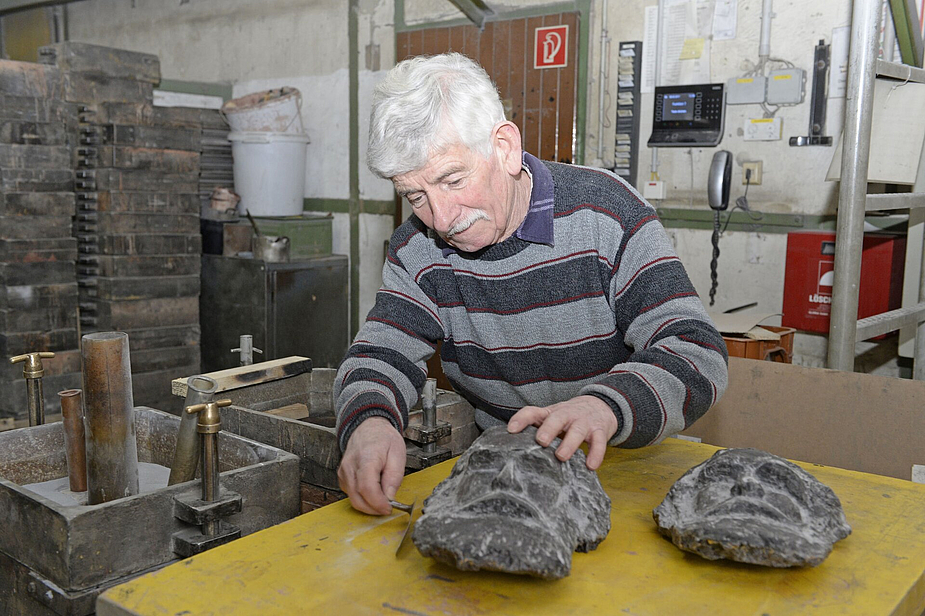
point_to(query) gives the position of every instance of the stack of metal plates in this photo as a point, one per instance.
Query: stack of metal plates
(38, 288)
(137, 218)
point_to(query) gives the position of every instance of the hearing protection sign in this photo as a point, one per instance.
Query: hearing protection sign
(550, 48)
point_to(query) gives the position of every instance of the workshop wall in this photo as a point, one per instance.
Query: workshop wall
(751, 264)
(793, 177)
(254, 46)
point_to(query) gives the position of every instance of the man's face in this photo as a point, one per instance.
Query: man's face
(467, 199)
(511, 505)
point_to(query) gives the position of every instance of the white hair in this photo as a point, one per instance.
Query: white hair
(426, 104)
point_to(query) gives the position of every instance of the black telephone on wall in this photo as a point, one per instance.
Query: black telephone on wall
(718, 186)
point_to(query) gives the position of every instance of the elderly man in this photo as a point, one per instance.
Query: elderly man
(554, 288)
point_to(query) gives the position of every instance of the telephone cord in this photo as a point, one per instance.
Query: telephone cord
(715, 260)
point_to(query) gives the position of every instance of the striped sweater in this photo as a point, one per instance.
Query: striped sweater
(604, 308)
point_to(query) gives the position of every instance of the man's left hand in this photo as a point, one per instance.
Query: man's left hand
(582, 419)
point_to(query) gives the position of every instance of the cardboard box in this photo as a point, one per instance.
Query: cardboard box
(859, 422)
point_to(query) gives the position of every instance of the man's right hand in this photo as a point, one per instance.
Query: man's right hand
(373, 466)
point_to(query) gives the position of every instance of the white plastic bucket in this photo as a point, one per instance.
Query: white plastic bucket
(269, 172)
(273, 111)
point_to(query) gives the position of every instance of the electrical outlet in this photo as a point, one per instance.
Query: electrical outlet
(654, 190)
(755, 166)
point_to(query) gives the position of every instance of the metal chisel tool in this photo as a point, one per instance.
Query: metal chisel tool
(409, 509)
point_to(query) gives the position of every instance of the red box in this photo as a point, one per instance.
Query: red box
(810, 270)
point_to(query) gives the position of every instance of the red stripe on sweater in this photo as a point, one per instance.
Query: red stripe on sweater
(417, 276)
(366, 407)
(533, 346)
(557, 302)
(630, 403)
(486, 377)
(591, 206)
(698, 342)
(639, 271)
(661, 404)
(411, 333)
(412, 300)
(533, 266)
(667, 299)
(658, 329)
(642, 222)
(622, 185)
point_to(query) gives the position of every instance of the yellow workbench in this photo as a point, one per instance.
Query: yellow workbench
(337, 561)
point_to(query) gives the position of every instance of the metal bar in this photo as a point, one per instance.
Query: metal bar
(918, 365)
(900, 71)
(475, 10)
(581, 96)
(353, 70)
(852, 192)
(210, 485)
(887, 322)
(429, 405)
(36, 402)
(112, 452)
(199, 390)
(899, 201)
(75, 445)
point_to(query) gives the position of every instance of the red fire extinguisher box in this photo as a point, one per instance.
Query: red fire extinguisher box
(809, 275)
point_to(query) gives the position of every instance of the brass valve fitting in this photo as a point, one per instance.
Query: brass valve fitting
(32, 366)
(210, 421)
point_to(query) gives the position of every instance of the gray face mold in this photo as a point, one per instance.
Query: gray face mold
(510, 505)
(752, 507)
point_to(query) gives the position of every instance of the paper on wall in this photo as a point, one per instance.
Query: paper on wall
(838, 73)
(724, 20)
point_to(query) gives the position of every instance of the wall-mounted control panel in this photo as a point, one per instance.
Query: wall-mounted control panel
(688, 116)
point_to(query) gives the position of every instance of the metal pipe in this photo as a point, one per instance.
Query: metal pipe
(75, 443)
(35, 398)
(889, 34)
(429, 404)
(210, 487)
(602, 82)
(764, 44)
(918, 363)
(852, 190)
(112, 452)
(199, 390)
(208, 426)
(33, 371)
(246, 349)
(659, 38)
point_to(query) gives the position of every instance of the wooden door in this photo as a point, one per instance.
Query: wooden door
(540, 101)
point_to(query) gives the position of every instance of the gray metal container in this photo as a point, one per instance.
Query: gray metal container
(56, 559)
(314, 438)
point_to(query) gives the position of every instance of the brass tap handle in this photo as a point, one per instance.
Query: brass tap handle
(32, 368)
(210, 421)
